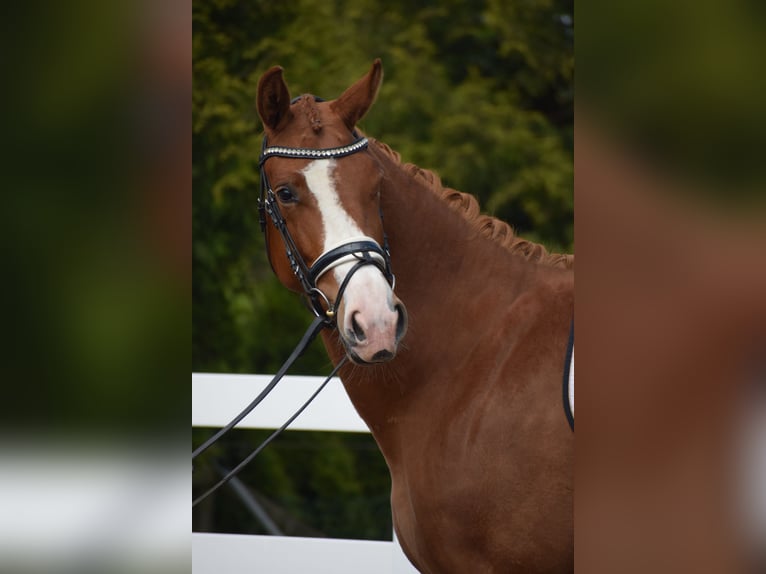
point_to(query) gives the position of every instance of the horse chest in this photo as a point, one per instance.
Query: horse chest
(469, 498)
(443, 512)
(448, 530)
(467, 528)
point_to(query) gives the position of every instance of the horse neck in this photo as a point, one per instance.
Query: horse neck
(447, 276)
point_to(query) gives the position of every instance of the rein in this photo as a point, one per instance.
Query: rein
(361, 250)
(234, 471)
(316, 326)
(311, 333)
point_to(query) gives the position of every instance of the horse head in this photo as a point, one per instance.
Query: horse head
(324, 232)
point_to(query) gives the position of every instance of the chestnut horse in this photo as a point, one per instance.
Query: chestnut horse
(462, 388)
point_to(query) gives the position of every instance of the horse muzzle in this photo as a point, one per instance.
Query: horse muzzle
(371, 329)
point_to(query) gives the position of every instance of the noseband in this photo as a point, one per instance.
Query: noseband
(362, 250)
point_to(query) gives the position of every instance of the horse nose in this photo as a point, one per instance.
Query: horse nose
(373, 335)
(358, 323)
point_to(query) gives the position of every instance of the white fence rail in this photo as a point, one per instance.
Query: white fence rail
(216, 399)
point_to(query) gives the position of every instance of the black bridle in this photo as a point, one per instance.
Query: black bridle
(361, 250)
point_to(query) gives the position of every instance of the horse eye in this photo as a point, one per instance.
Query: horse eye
(285, 195)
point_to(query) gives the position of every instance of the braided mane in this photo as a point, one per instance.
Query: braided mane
(467, 205)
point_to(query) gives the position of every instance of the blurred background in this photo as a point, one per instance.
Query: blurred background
(670, 193)
(679, 85)
(480, 92)
(95, 224)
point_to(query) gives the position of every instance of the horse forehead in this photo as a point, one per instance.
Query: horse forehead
(316, 126)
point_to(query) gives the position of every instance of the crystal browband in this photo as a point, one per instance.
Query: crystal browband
(308, 153)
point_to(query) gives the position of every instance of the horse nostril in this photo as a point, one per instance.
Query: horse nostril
(358, 331)
(401, 322)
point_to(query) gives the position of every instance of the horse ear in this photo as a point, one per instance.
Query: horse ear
(273, 99)
(356, 100)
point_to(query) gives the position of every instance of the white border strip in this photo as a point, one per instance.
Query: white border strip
(246, 554)
(218, 398)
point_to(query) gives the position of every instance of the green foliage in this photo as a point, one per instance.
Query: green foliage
(312, 483)
(690, 100)
(479, 92)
